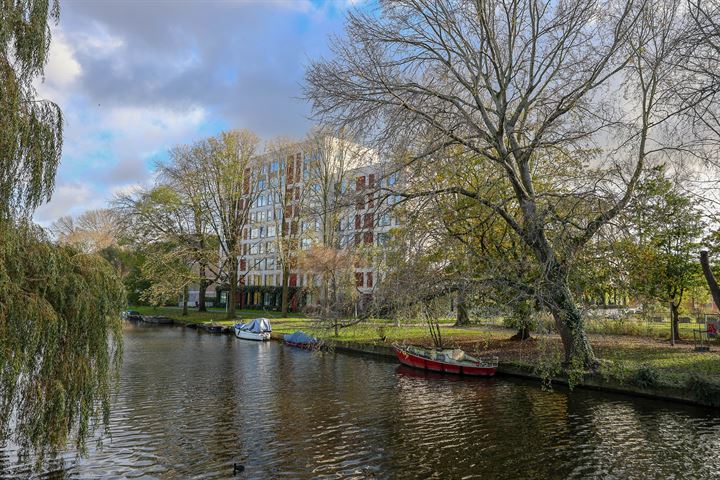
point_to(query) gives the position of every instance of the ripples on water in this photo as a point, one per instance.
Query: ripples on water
(191, 404)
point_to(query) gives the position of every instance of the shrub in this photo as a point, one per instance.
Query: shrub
(381, 332)
(704, 390)
(646, 377)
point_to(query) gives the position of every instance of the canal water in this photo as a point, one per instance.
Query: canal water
(191, 404)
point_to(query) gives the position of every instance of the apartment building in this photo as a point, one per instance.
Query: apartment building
(326, 191)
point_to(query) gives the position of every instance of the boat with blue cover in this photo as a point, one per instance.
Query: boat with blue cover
(300, 339)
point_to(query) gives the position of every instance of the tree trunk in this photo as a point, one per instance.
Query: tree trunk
(201, 297)
(461, 315)
(569, 323)
(232, 293)
(674, 322)
(710, 278)
(285, 290)
(203, 287)
(523, 332)
(186, 293)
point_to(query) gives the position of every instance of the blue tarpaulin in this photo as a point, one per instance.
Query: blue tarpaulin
(300, 337)
(259, 325)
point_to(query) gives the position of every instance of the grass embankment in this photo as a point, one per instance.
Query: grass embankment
(632, 356)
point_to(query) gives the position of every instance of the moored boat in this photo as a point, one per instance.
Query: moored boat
(157, 319)
(258, 330)
(445, 360)
(301, 340)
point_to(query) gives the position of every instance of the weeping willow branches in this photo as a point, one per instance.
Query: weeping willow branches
(30, 129)
(60, 336)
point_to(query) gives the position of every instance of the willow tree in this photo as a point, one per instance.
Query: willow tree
(30, 128)
(534, 87)
(60, 331)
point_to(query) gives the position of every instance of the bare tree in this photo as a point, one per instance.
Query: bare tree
(226, 169)
(91, 231)
(182, 175)
(527, 85)
(161, 222)
(285, 182)
(336, 269)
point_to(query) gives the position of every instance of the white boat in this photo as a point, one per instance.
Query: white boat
(258, 330)
(245, 335)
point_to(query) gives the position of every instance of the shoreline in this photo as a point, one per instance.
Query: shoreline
(594, 381)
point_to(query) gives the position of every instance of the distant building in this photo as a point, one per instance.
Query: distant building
(315, 192)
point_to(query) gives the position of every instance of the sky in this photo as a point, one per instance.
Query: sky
(136, 77)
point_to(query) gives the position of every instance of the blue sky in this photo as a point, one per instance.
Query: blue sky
(135, 77)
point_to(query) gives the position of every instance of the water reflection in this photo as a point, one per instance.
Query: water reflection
(191, 404)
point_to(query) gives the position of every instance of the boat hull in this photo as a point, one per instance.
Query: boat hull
(258, 337)
(306, 346)
(458, 368)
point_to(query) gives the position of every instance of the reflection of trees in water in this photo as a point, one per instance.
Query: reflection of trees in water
(334, 407)
(488, 427)
(627, 438)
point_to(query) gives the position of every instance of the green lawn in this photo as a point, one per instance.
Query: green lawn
(215, 315)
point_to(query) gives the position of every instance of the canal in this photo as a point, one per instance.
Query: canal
(191, 404)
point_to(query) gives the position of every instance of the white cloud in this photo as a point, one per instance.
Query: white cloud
(141, 133)
(97, 42)
(128, 188)
(62, 70)
(68, 199)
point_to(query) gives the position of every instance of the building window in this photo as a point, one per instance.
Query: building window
(360, 184)
(358, 279)
(357, 222)
(368, 220)
(369, 276)
(368, 238)
(371, 180)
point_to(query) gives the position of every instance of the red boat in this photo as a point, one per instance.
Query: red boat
(448, 361)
